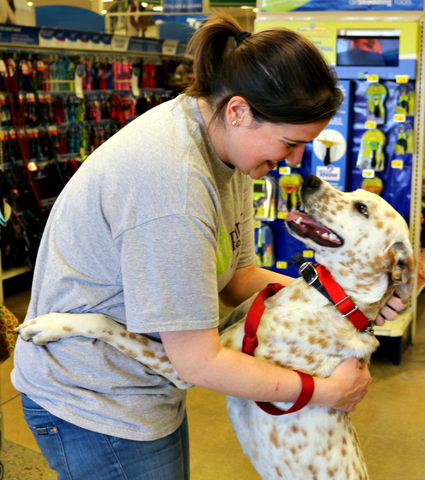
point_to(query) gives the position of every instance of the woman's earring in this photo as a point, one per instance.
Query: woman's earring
(234, 123)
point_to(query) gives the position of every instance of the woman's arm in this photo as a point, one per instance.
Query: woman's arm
(233, 373)
(249, 280)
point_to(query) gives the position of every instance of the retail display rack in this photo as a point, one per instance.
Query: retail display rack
(376, 141)
(62, 94)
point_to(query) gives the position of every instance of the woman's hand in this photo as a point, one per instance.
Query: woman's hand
(348, 384)
(390, 310)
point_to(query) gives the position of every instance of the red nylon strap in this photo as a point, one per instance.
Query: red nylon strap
(250, 340)
(304, 397)
(337, 294)
(250, 343)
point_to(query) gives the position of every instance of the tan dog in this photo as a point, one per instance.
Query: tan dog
(365, 245)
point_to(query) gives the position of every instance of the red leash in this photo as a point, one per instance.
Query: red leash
(250, 343)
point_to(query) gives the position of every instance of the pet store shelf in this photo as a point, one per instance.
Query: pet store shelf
(14, 272)
(421, 272)
(397, 327)
(10, 273)
(420, 289)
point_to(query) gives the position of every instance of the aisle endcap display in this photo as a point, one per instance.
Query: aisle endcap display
(373, 142)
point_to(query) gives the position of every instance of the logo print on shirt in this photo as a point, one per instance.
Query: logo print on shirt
(235, 237)
(224, 251)
(227, 243)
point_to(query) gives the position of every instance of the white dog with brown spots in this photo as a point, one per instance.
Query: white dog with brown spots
(364, 243)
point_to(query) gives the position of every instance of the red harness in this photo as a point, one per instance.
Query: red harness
(320, 278)
(250, 343)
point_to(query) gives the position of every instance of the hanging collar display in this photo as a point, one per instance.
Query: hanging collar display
(321, 279)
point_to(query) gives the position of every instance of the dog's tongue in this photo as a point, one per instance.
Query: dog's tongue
(307, 227)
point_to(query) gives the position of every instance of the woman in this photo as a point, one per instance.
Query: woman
(152, 230)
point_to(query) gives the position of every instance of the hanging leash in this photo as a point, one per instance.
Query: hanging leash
(250, 343)
(18, 121)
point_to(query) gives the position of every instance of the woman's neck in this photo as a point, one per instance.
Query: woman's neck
(215, 129)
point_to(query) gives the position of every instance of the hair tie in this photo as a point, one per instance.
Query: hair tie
(240, 37)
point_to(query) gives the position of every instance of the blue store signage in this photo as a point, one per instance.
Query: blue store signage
(18, 35)
(341, 5)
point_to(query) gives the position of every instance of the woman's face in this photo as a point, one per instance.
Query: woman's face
(255, 150)
(256, 147)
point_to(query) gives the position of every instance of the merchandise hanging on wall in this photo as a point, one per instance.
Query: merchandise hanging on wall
(376, 140)
(56, 107)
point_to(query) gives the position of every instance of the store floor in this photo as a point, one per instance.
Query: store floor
(390, 422)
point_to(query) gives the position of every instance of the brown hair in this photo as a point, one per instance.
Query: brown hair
(281, 74)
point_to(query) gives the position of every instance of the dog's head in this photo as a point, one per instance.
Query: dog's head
(358, 236)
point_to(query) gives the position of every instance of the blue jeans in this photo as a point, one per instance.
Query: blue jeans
(80, 454)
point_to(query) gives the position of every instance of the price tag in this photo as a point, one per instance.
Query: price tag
(7, 209)
(32, 166)
(135, 82)
(285, 170)
(368, 173)
(372, 78)
(308, 254)
(169, 47)
(402, 78)
(399, 117)
(79, 73)
(398, 163)
(282, 265)
(370, 125)
(257, 224)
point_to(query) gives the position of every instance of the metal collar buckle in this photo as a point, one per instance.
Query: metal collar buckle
(308, 272)
(369, 329)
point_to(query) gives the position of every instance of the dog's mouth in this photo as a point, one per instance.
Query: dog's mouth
(306, 227)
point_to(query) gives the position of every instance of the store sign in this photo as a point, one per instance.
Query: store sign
(339, 5)
(77, 40)
(181, 6)
(147, 45)
(17, 35)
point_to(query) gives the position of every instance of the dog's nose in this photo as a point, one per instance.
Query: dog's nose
(311, 183)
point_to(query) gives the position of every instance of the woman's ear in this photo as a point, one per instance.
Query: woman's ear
(402, 269)
(238, 112)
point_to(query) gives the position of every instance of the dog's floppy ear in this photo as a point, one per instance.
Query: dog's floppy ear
(402, 269)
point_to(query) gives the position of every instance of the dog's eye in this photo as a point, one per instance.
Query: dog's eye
(362, 208)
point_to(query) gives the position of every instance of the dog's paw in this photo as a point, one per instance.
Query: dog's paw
(42, 330)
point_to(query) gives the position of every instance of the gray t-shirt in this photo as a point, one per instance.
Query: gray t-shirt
(148, 231)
